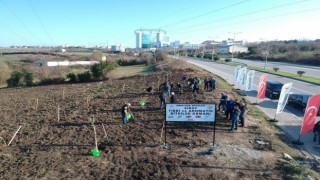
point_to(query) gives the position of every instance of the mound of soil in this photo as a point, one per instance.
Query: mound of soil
(50, 148)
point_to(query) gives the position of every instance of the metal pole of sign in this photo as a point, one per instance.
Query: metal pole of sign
(165, 133)
(214, 133)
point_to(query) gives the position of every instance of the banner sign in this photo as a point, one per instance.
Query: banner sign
(250, 80)
(284, 96)
(242, 76)
(190, 112)
(310, 114)
(236, 74)
(262, 87)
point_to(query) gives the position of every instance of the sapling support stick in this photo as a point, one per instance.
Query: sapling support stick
(63, 94)
(95, 133)
(58, 111)
(14, 135)
(105, 132)
(124, 85)
(37, 103)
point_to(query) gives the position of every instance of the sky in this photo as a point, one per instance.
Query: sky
(106, 22)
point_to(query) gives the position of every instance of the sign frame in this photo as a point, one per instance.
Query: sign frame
(213, 122)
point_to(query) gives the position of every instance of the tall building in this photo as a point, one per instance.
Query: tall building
(151, 38)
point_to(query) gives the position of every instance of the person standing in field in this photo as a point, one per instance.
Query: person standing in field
(172, 98)
(162, 98)
(235, 117)
(244, 110)
(125, 112)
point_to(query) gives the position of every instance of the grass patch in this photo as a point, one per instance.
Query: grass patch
(294, 170)
(287, 74)
(279, 73)
(127, 71)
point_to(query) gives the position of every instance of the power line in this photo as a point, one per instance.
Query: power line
(241, 15)
(21, 22)
(14, 32)
(210, 12)
(43, 26)
(257, 19)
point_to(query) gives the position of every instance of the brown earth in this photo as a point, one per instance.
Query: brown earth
(47, 149)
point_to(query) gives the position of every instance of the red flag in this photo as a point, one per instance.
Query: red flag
(262, 87)
(310, 114)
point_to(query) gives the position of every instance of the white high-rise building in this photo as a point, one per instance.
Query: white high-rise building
(151, 38)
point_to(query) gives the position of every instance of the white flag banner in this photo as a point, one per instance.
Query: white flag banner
(242, 76)
(250, 80)
(284, 95)
(236, 74)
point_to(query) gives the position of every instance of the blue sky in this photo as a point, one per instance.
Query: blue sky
(102, 22)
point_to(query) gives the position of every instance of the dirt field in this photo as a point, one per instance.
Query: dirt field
(46, 148)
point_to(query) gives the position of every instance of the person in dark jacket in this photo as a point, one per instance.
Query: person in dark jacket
(223, 102)
(229, 108)
(196, 85)
(213, 84)
(206, 84)
(235, 117)
(180, 88)
(125, 111)
(172, 98)
(162, 98)
(316, 132)
(244, 110)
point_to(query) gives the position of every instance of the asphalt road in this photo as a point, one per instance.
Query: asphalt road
(312, 71)
(289, 120)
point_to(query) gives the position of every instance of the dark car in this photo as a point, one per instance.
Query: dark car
(273, 89)
(299, 101)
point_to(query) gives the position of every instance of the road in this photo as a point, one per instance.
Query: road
(289, 120)
(312, 71)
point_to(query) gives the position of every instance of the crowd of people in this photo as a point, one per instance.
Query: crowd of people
(235, 110)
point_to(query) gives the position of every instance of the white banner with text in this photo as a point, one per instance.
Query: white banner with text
(190, 112)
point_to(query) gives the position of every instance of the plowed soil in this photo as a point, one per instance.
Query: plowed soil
(50, 148)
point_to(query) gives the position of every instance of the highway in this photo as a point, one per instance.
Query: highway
(312, 71)
(289, 120)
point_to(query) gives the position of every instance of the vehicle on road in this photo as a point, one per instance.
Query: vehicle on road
(299, 101)
(273, 89)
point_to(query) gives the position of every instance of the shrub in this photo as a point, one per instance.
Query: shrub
(50, 81)
(227, 60)
(14, 79)
(301, 73)
(72, 77)
(216, 58)
(28, 78)
(84, 77)
(276, 69)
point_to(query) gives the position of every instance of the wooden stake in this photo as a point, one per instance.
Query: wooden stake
(58, 113)
(88, 100)
(124, 85)
(37, 103)
(14, 136)
(105, 132)
(95, 133)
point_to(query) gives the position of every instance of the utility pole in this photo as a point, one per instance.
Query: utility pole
(234, 38)
(266, 54)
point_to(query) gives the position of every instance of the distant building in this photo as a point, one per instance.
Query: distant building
(228, 49)
(118, 48)
(63, 63)
(189, 45)
(151, 38)
(175, 44)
